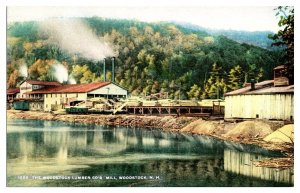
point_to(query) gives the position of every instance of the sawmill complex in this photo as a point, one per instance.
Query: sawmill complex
(47, 96)
(269, 99)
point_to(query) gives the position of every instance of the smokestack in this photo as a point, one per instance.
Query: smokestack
(104, 71)
(113, 69)
(252, 84)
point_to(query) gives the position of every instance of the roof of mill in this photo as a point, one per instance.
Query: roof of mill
(70, 88)
(12, 90)
(45, 83)
(265, 87)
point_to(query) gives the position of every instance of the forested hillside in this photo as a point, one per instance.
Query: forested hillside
(150, 58)
(257, 38)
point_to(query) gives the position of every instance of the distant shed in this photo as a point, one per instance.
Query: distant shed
(12, 93)
(269, 99)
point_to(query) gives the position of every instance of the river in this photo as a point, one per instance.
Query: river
(51, 153)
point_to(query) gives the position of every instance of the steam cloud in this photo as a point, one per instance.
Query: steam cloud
(23, 70)
(60, 73)
(76, 38)
(71, 80)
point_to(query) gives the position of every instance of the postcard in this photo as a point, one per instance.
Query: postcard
(150, 96)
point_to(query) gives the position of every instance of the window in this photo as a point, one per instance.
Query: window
(55, 95)
(66, 95)
(76, 94)
(51, 95)
(46, 106)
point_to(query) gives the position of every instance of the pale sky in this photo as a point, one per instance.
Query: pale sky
(250, 18)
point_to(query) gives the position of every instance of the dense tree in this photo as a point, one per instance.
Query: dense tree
(235, 78)
(215, 87)
(151, 58)
(12, 80)
(285, 38)
(40, 70)
(195, 92)
(83, 74)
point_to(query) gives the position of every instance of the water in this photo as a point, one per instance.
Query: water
(88, 155)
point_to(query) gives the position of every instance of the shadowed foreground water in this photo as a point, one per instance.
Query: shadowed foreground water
(45, 153)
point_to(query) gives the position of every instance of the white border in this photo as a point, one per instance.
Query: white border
(152, 2)
(5, 3)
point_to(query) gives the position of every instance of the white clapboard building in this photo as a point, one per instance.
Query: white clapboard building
(270, 99)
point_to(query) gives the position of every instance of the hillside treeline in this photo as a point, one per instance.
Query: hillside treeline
(150, 58)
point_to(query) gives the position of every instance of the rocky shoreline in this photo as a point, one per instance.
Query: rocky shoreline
(167, 123)
(247, 132)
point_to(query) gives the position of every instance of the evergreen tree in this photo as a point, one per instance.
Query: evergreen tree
(215, 87)
(235, 78)
(195, 92)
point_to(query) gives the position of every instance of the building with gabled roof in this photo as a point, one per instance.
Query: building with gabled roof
(59, 96)
(46, 96)
(44, 83)
(36, 102)
(270, 99)
(70, 88)
(31, 85)
(12, 93)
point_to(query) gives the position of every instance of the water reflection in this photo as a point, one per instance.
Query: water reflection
(97, 142)
(243, 163)
(56, 148)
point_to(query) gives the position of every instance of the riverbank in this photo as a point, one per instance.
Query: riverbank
(167, 123)
(247, 132)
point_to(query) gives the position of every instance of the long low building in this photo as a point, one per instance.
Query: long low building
(63, 95)
(270, 99)
(45, 96)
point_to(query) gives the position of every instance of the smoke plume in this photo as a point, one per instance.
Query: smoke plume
(71, 80)
(60, 72)
(75, 37)
(23, 70)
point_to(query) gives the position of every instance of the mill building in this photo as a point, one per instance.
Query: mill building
(46, 96)
(270, 99)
